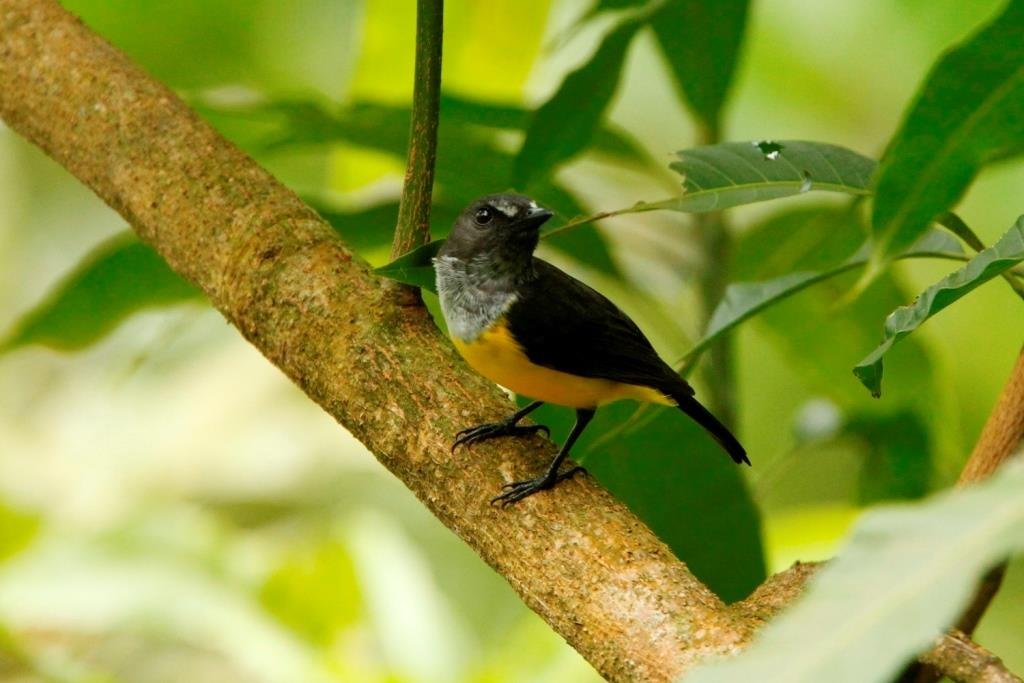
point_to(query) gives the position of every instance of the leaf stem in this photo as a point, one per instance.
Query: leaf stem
(684, 366)
(413, 227)
(639, 207)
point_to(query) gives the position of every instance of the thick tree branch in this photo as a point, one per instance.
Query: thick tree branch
(578, 558)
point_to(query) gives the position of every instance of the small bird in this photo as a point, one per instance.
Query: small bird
(526, 325)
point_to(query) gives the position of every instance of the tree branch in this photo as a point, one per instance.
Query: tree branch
(1003, 432)
(954, 654)
(1000, 439)
(958, 657)
(278, 272)
(577, 556)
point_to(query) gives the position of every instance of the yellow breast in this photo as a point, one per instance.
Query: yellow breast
(496, 355)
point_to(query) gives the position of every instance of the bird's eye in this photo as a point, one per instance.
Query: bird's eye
(483, 215)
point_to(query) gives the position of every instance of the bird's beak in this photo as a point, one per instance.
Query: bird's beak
(534, 218)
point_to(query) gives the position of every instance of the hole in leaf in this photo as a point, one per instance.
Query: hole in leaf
(769, 149)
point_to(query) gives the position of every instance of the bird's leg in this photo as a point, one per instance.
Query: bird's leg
(506, 427)
(518, 490)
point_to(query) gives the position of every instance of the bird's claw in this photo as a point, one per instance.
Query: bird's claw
(517, 490)
(491, 430)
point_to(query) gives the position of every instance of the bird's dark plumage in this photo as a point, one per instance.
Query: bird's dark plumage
(583, 333)
(525, 324)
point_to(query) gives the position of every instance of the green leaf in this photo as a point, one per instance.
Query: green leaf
(18, 529)
(970, 111)
(701, 41)
(670, 473)
(460, 146)
(123, 276)
(414, 268)
(746, 299)
(721, 176)
(730, 174)
(608, 139)
(482, 113)
(956, 225)
(903, 577)
(315, 592)
(602, 6)
(797, 238)
(117, 279)
(384, 127)
(373, 227)
(898, 462)
(564, 125)
(817, 340)
(997, 259)
(363, 230)
(718, 177)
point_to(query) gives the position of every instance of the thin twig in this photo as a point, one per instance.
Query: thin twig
(963, 660)
(986, 592)
(413, 227)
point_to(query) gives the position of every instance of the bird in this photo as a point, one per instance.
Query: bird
(535, 330)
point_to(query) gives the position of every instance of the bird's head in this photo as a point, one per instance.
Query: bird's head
(499, 227)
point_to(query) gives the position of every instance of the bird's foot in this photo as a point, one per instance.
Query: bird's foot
(492, 430)
(517, 490)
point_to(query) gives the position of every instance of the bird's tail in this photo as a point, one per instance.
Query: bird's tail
(702, 416)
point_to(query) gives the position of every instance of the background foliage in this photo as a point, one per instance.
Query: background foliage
(169, 503)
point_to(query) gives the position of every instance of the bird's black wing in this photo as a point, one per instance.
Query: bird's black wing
(565, 325)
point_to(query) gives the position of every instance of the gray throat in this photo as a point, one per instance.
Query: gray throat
(472, 295)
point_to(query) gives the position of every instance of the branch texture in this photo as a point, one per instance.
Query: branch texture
(1003, 432)
(963, 660)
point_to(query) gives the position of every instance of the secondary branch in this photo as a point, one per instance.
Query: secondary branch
(413, 228)
(1000, 439)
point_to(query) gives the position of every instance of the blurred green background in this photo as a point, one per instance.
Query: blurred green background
(172, 508)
